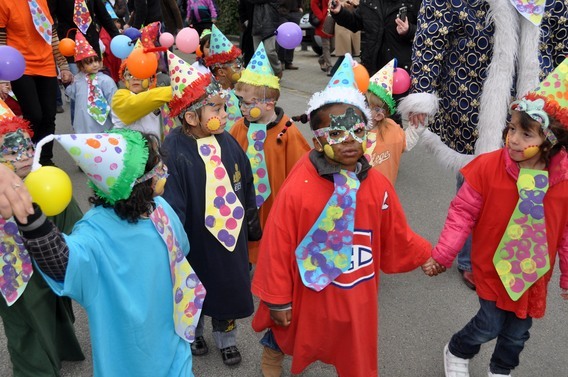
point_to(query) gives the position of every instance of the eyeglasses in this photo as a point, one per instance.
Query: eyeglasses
(251, 104)
(160, 171)
(237, 65)
(337, 135)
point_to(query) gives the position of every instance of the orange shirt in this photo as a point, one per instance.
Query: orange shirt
(280, 159)
(21, 34)
(390, 144)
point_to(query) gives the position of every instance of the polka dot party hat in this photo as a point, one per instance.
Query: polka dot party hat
(259, 71)
(549, 99)
(83, 49)
(221, 50)
(112, 161)
(149, 34)
(341, 89)
(381, 85)
(188, 84)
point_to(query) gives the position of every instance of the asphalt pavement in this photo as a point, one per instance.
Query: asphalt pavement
(418, 314)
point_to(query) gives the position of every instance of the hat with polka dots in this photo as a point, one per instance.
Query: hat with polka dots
(221, 50)
(342, 88)
(112, 161)
(381, 85)
(149, 34)
(259, 71)
(83, 49)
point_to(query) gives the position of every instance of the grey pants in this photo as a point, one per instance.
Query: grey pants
(271, 51)
(224, 331)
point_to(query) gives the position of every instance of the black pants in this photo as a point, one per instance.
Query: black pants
(37, 96)
(285, 55)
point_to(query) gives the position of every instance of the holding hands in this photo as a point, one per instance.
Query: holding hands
(433, 268)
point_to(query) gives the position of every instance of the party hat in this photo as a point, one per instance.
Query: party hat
(341, 89)
(205, 33)
(5, 111)
(188, 84)
(549, 99)
(83, 49)
(259, 71)
(381, 85)
(221, 50)
(149, 34)
(112, 161)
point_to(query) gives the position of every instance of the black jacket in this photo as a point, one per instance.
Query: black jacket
(266, 18)
(63, 11)
(380, 42)
(144, 12)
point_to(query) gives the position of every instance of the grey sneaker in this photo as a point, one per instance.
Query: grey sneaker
(455, 366)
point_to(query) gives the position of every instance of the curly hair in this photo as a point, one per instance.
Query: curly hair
(141, 200)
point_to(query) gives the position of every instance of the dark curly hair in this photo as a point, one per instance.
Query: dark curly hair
(141, 200)
(548, 150)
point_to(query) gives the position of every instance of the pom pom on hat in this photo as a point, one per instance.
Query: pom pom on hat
(259, 71)
(341, 89)
(221, 50)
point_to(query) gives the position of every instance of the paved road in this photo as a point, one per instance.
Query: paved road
(417, 314)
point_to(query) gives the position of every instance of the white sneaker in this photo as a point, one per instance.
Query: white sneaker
(455, 366)
(489, 374)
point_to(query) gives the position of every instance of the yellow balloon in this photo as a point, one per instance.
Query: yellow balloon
(50, 188)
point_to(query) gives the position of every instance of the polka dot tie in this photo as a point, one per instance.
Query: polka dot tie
(325, 252)
(188, 291)
(370, 146)
(233, 110)
(81, 16)
(97, 105)
(15, 263)
(256, 136)
(40, 20)
(223, 211)
(522, 256)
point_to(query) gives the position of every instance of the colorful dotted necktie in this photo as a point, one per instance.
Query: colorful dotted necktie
(223, 211)
(522, 256)
(97, 105)
(81, 16)
(233, 110)
(370, 146)
(41, 23)
(168, 121)
(256, 136)
(188, 291)
(325, 252)
(15, 263)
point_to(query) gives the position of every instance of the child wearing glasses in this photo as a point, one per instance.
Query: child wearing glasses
(335, 224)
(386, 140)
(266, 134)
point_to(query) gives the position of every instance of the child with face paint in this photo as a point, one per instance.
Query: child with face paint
(91, 90)
(386, 140)
(335, 224)
(211, 189)
(266, 134)
(124, 260)
(515, 203)
(203, 52)
(38, 324)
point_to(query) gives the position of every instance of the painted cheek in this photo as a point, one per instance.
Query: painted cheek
(160, 184)
(235, 76)
(328, 150)
(255, 112)
(213, 124)
(531, 151)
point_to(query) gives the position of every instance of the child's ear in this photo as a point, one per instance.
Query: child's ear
(270, 105)
(221, 72)
(378, 117)
(191, 118)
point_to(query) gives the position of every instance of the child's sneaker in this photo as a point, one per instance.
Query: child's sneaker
(231, 355)
(199, 346)
(455, 366)
(489, 374)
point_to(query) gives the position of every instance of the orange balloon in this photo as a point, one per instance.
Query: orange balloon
(142, 65)
(361, 77)
(67, 47)
(198, 52)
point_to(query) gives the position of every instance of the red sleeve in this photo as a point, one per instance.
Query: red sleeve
(402, 250)
(563, 260)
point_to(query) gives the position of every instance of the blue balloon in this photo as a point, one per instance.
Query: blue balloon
(132, 33)
(121, 46)
(12, 63)
(289, 35)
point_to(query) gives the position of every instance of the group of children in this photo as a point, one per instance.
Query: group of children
(328, 220)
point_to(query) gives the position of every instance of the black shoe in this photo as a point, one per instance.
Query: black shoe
(291, 67)
(60, 109)
(231, 355)
(199, 347)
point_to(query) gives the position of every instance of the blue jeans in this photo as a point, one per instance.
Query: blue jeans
(269, 341)
(489, 323)
(464, 256)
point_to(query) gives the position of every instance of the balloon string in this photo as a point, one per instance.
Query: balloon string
(36, 165)
(69, 31)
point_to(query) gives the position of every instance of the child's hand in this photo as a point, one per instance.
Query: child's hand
(564, 294)
(433, 268)
(281, 317)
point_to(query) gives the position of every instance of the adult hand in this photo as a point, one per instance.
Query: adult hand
(334, 6)
(15, 200)
(417, 119)
(401, 26)
(281, 317)
(66, 76)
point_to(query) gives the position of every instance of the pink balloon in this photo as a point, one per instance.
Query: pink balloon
(166, 40)
(187, 40)
(401, 81)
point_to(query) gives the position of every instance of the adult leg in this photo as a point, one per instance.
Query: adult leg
(36, 95)
(510, 343)
(326, 55)
(225, 335)
(270, 47)
(74, 70)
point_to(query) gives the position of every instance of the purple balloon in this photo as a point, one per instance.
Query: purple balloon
(132, 33)
(289, 35)
(12, 63)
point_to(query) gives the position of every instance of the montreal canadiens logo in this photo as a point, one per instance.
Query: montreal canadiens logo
(361, 268)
